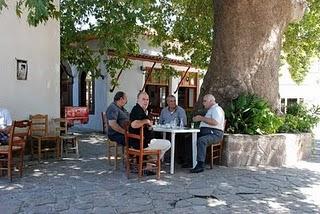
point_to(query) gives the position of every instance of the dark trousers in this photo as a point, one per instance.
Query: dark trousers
(206, 137)
(118, 137)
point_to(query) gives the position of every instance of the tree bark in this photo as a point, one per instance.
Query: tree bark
(246, 48)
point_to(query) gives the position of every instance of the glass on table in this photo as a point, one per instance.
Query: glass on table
(192, 125)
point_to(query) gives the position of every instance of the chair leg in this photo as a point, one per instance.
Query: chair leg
(158, 166)
(211, 157)
(57, 148)
(128, 166)
(39, 150)
(220, 154)
(9, 168)
(123, 155)
(61, 147)
(109, 151)
(21, 162)
(116, 156)
(77, 147)
(140, 166)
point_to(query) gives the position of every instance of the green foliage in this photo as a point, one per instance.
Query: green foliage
(249, 114)
(300, 119)
(119, 24)
(3, 4)
(301, 42)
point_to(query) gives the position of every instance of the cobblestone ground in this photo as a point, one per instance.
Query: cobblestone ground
(90, 185)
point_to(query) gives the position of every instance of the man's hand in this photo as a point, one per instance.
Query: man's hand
(197, 118)
(148, 122)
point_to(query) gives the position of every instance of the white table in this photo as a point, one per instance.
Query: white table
(173, 132)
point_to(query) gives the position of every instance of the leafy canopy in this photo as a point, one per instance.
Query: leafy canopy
(118, 25)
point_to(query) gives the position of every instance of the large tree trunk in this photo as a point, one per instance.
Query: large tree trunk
(246, 48)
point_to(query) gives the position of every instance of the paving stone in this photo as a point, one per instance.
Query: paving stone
(104, 210)
(90, 185)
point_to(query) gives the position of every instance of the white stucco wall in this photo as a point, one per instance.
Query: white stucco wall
(131, 82)
(40, 46)
(308, 89)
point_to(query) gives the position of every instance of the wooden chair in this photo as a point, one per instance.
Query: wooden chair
(19, 133)
(39, 133)
(111, 145)
(216, 150)
(104, 122)
(136, 156)
(68, 141)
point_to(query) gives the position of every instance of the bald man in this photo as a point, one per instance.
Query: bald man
(139, 118)
(211, 129)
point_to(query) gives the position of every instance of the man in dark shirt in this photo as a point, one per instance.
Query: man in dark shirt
(139, 118)
(118, 118)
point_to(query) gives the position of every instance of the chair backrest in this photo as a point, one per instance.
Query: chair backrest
(60, 125)
(104, 122)
(39, 124)
(139, 137)
(21, 129)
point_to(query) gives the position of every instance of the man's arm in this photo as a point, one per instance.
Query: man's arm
(139, 123)
(115, 126)
(184, 117)
(161, 118)
(210, 121)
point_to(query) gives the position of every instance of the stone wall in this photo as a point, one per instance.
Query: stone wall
(266, 150)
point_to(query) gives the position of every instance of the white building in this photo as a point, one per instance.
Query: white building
(306, 92)
(29, 65)
(98, 93)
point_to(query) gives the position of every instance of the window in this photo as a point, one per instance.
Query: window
(285, 102)
(157, 95)
(291, 101)
(87, 91)
(186, 97)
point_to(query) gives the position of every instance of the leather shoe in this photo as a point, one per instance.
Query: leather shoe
(197, 169)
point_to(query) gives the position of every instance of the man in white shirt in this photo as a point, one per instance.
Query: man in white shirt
(211, 129)
(5, 125)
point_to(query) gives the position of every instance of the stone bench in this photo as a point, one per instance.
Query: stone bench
(266, 150)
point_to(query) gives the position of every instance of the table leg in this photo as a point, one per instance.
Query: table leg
(164, 136)
(172, 152)
(39, 150)
(194, 149)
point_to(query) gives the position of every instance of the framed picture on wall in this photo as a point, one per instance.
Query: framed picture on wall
(22, 69)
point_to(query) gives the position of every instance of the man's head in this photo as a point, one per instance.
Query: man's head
(208, 101)
(120, 98)
(143, 99)
(171, 101)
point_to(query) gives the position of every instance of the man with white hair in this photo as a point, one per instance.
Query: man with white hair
(5, 125)
(211, 129)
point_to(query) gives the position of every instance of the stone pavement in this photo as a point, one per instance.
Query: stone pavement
(90, 185)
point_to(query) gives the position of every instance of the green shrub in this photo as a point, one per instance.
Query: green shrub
(299, 119)
(249, 114)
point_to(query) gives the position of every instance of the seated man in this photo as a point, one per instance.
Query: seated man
(139, 118)
(5, 125)
(211, 129)
(173, 112)
(118, 118)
